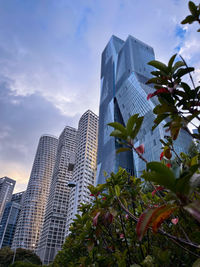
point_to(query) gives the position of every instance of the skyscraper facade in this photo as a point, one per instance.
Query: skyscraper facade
(124, 72)
(8, 223)
(6, 189)
(9, 219)
(18, 197)
(85, 164)
(32, 214)
(53, 231)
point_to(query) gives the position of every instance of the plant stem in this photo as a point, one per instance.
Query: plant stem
(139, 155)
(129, 254)
(189, 243)
(189, 72)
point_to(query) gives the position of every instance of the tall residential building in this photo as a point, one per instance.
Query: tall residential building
(85, 164)
(53, 231)
(6, 189)
(124, 72)
(32, 214)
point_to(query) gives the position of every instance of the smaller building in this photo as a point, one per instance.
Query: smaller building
(6, 189)
(8, 223)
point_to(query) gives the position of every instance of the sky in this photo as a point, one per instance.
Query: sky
(50, 58)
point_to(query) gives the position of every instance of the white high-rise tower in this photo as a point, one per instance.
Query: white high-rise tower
(53, 231)
(85, 165)
(32, 214)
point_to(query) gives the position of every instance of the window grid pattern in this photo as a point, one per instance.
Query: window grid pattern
(85, 166)
(124, 77)
(53, 230)
(32, 215)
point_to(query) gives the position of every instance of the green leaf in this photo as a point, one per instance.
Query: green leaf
(182, 72)
(117, 190)
(159, 65)
(160, 174)
(177, 65)
(154, 80)
(118, 126)
(118, 134)
(184, 183)
(193, 8)
(130, 123)
(189, 19)
(194, 160)
(137, 127)
(171, 61)
(164, 108)
(156, 73)
(160, 118)
(186, 88)
(123, 149)
(194, 181)
(194, 209)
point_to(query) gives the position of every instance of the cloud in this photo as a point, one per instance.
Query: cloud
(23, 120)
(51, 55)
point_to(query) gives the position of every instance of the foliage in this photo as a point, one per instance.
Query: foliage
(23, 264)
(106, 233)
(195, 14)
(194, 149)
(153, 220)
(24, 255)
(6, 256)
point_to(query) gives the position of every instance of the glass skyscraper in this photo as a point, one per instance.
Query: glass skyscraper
(124, 72)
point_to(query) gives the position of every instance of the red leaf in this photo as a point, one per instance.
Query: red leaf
(169, 165)
(157, 189)
(149, 96)
(161, 155)
(143, 222)
(140, 149)
(103, 198)
(95, 219)
(159, 91)
(163, 214)
(175, 220)
(154, 217)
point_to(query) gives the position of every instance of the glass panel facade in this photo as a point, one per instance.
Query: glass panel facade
(124, 74)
